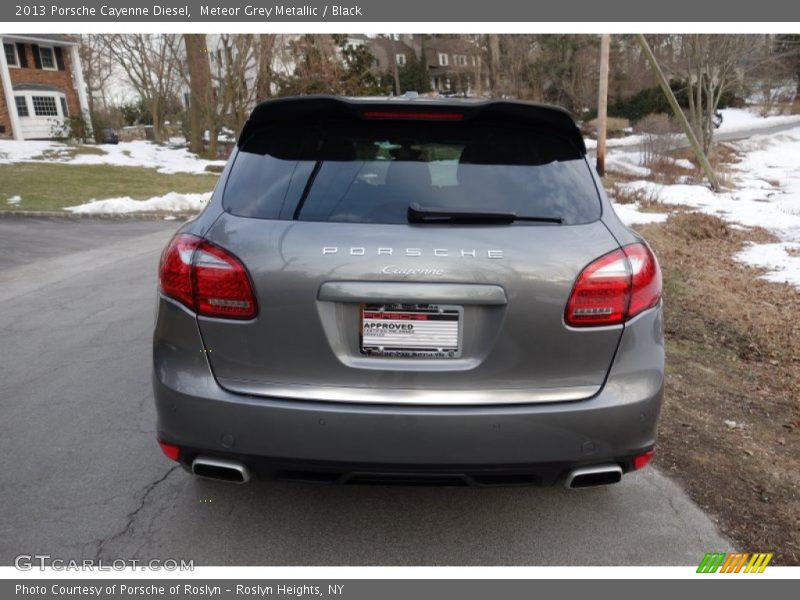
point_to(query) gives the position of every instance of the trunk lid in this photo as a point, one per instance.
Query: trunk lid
(305, 342)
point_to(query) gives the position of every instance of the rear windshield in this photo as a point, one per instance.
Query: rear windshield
(371, 172)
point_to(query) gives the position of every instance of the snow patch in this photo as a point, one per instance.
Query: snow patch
(782, 261)
(627, 164)
(631, 214)
(13, 151)
(137, 153)
(171, 202)
(742, 119)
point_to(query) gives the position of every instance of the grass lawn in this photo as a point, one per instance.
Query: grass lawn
(52, 186)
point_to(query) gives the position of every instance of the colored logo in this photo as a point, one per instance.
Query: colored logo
(735, 562)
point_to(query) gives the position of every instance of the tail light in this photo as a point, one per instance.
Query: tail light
(641, 460)
(171, 451)
(207, 279)
(615, 288)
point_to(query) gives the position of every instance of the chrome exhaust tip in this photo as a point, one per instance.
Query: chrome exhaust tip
(220, 469)
(593, 476)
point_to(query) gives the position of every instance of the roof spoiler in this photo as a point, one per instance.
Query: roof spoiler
(323, 109)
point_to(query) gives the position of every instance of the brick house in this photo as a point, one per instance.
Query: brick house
(42, 87)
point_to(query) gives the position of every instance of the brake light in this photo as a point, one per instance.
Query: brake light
(642, 460)
(615, 288)
(412, 115)
(171, 451)
(207, 279)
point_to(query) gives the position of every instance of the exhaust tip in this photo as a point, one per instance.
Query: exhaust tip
(220, 469)
(593, 476)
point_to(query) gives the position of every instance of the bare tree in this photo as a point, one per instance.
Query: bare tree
(518, 69)
(711, 66)
(235, 71)
(318, 68)
(267, 51)
(97, 70)
(151, 63)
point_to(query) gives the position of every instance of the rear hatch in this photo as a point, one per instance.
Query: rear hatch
(411, 253)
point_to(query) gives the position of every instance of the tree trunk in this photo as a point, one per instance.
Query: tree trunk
(155, 115)
(200, 108)
(265, 57)
(494, 64)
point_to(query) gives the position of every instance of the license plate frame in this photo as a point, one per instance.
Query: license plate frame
(436, 331)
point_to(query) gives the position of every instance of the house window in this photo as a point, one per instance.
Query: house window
(64, 109)
(461, 60)
(401, 59)
(47, 57)
(443, 59)
(22, 106)
(11, 55)
(44, 106)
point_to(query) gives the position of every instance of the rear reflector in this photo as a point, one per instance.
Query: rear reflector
(615, 288)
(207, 279)
(171, 451)
(412, 115)
(641, 461)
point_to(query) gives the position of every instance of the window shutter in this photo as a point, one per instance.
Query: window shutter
(36, 58)
(23, 58)
(59, 58)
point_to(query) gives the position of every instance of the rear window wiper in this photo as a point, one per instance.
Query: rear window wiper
(419, 214)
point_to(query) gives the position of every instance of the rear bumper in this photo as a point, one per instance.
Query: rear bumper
(340, 441)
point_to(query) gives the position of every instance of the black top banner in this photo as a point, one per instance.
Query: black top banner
(385, 11)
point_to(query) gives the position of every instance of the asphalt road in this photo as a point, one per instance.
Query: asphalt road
(82, 476)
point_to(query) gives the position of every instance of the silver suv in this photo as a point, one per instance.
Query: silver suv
(409, 290)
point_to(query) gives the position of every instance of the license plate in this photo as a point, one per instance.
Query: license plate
(411, 330)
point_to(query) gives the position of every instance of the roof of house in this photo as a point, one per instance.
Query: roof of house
(448, 45)
(57, 39)
(389, 45)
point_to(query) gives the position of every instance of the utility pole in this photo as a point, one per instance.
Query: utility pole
(602, 104)
(678, 111)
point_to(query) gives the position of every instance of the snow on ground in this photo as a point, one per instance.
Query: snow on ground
(628, 140)
(631, 215)
(733, 120)
(626, 164)
(171, 202)
(781, 260)
(742, 119)
(14, 151)
(767, 195)
(126, 154)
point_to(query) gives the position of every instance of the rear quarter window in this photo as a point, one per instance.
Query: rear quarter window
(370, 173)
